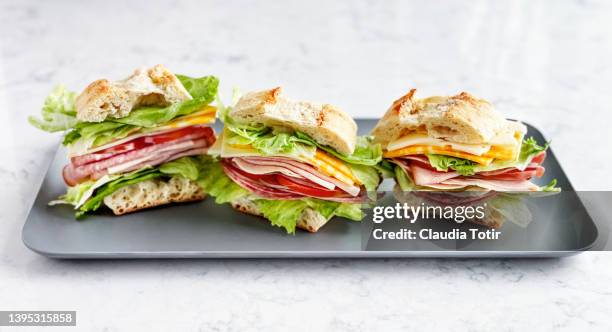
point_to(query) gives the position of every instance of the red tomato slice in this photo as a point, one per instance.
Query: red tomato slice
(307, 188)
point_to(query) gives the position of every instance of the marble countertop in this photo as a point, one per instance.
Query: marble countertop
(546, 64)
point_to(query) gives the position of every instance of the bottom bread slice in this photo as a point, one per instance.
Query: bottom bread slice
(151, 193)
(310, 220)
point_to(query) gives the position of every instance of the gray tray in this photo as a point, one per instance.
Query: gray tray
(207, 230)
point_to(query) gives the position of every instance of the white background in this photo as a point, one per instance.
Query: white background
(547, 63)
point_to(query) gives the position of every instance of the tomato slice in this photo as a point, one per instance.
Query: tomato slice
(307, 189)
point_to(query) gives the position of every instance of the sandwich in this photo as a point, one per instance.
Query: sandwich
(295, 163)
(458, 150)
(134, 143)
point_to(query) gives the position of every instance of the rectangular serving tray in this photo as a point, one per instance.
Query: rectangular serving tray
(207, 230)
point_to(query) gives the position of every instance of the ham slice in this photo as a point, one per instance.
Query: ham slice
(267, 187)
(268, 169)
(506, 179)
(259, 189)
(511, 174)
(306, 171)
(423, 176)
(170, 156)
(539, 158)
(497, 185)
(182, 134)
(129, 157)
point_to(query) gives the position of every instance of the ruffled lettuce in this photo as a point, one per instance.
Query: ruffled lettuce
(551, 187)
(218, 185)
(444, 163)
(286, 213)
(366, 153)
(403, 180)
(58, 113)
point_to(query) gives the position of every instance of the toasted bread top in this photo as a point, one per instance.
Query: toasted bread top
(104, 99)
(325, 123)
(462, 118)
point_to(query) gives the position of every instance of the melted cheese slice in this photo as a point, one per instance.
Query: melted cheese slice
(421, 139)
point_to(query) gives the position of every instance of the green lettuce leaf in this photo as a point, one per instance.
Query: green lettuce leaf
(366, 153)
(58, 113)
(282, 213)
(349, 211)
(74, 194)
(204, 88)
(551, 187)
(285, 213)
(96, 200)
(150, 117)
(218, 185)
(443, 163)
(529, 149)
(283, 143)
(186, 167)
(367, 175)
(98, 133)
(403, 180)
(386, 169)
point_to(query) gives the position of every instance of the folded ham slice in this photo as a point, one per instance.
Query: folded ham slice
(258, 175)
(140, 152)
(506, 179)
(497, 185)
(303, 170)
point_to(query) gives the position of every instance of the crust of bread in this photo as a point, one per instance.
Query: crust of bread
(326, 124)
(310, 220)
(151, 193)
(462, 118)
(104, 99)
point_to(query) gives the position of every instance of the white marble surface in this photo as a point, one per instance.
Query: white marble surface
(546, 63)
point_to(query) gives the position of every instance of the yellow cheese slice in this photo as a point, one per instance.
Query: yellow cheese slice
(204, 116)
(501, 152)
(333, 167)
(422, 139)
(446, 151)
